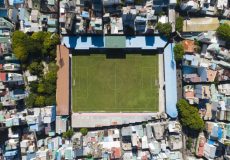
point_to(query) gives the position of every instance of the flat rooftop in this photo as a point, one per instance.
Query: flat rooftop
(62, 92)
(92, 120)
(201, 24)
(87, 42)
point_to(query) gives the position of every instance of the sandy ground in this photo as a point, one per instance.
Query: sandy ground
(62, 93)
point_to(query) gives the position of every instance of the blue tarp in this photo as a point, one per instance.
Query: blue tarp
(85, 14)
(211, 142)
(18, 1)
(220, 133)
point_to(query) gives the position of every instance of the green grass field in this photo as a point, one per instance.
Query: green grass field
(115, 85)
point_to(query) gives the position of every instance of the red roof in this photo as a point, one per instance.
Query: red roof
(189, 46)
(2, 76)
(144, 157)
(116, 153)
(201, 144)
(201, 147)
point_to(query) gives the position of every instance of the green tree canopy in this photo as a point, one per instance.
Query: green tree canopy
(51, 40)
(19, 38)
(164, 28)
(39, 101)
(41, 88)
(68, 134)
(179, 24)
(139, 2)
(30, 100)
(40, 46)
(36, 68)
(51, 77)
(53, 67)
(1, 106)
(39, 36)
(189, 116)
(33, 86)
(223, 31)
(84, 131)
(189, 143)
(20, 45)
(21, 53)
(178, 51)
(50, 100)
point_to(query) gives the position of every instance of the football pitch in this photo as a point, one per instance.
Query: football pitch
(100, 84)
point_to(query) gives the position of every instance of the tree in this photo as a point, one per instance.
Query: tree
(50, 100)
(21, 53)
(53, 67)
(50, 82)
(179, 23)
(89, 156)
(36, 68)
(39, 46)
(30, 100)
(20, 45)
(51, 77)
(41, 88)
(68, 134)
(47, 42)
(50, 88)
(139, 2)
(84, 131)
(39, 101)
(189, 116)
(164, 28)
(34, 48)
(19, 39)
(1, 106)
(178, 51)
(39, 36)
(189, 143)
(51, 40)
(223, 31)
(33, 86)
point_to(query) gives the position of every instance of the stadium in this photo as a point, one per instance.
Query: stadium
(115, 79)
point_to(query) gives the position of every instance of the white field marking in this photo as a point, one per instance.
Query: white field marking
(87, 80)
(115, 86)
(74, 82)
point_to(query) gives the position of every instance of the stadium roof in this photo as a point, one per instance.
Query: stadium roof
(115, 41)
(87, 42)
(170, 81)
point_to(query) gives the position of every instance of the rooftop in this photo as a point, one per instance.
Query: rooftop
(201, 24)
(86, 42)
(188, 45)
